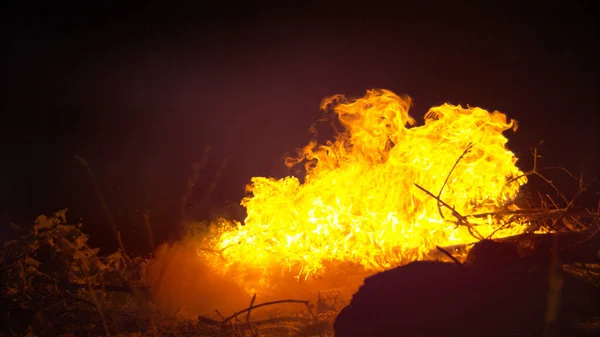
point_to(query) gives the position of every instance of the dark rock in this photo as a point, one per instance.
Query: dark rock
(494, 294)
(489, 253)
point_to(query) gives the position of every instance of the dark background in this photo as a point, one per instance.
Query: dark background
(139, 90)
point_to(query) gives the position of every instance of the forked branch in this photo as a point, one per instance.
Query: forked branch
(461, 219)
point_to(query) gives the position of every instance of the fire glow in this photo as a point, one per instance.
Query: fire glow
(360, 204)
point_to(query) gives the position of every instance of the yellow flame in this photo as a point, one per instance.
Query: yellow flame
(359, 202)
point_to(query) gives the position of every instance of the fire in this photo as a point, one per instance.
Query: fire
(359, 202)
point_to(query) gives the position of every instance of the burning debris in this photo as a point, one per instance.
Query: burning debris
(376, 200)
(385, 192)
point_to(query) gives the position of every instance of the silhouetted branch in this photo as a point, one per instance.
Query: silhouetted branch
(467, 149)
(225, 320)
(461, 219)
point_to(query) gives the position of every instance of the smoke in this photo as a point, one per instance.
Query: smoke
(182, 284)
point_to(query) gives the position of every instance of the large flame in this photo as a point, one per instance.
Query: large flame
(360, 203)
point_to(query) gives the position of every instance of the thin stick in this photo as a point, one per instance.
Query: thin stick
(541, 211)
(454, 212)
(211, 188)
(310, 312)
(192, 181)
(148, 225)
(111, 221)
(220, 315)
(506, 225)
(467, 149)
(262, 305)
(214, 251)
(249, 311)
(116, 232)
(594, 233)
(231, 325)
(447, 253)
(10, 265)
(536, 171)
(461, 219)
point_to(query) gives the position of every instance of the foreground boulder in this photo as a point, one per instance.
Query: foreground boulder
(495, 294)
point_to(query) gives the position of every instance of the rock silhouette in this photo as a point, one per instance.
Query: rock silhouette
(495, 294)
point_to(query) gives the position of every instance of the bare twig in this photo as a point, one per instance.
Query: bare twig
(249, 311)
(539, 171)
(454, 212)
(193, 180)
(215, 180)
(111, 221)
(116, 232)
(148, 226)
(549, 213)
(263, 305)
(461, 219)
(220, 315)
(536, 171)
(447, 253)
(10, 265)
(504, 226)
(594, 233)
(568, 216)
(233, 327)
(467, 149)
(218, 252)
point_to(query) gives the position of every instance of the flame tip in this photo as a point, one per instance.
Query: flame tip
(359, 202)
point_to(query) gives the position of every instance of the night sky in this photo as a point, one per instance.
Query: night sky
(139, 91)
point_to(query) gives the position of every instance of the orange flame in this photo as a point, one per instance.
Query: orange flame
(359, 202)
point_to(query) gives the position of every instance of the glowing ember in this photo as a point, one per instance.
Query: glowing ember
(359, 203)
